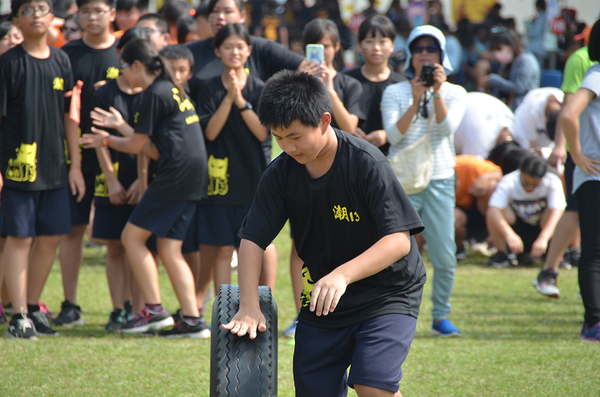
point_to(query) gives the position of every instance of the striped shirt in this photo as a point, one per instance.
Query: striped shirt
(396, 100)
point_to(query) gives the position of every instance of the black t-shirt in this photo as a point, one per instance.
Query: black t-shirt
(350, 92)
(335, 218)
(125, 164)
(33, 107)
(90, 66)
(174, 127)
(373, 91)
(235, 158)
(266, 59)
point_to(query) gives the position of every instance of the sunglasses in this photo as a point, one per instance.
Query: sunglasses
(431, 49)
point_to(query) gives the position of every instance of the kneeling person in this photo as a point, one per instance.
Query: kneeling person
(353, 226)
(524, 210)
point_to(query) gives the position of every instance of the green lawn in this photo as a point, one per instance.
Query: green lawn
(514, 343)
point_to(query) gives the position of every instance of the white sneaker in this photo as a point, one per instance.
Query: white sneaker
(545, 284)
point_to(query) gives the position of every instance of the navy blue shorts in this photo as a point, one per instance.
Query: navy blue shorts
(569, 169)
(190, 243)
(80, 212)
(219, 225)
(109, 221)
(374, 349)
(166, 219)
(38, 213)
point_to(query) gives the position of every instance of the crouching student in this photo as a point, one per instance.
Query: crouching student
(523, 212)
(353, 226)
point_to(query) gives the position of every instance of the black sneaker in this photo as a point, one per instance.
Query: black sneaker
(502, 259)
(574, 255)
(22, 328)
(69, 316)
(116, 320)
(545, 283)
(184, 329)
(128, 306)
(42, 326)
(148, 320)
(525, 259)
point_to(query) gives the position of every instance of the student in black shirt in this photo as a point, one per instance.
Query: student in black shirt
(34, 123)
(236, 160)
(116, 106)
(94, 58)
(345, 92)
(169, 120)
(353, 226)
(266, 59)
(376, 42)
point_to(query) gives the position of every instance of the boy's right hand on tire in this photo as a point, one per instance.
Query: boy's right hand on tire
(247, 321)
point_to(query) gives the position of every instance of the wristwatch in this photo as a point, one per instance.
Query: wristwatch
(247, 107)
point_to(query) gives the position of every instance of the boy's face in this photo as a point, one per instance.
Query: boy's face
(529, 183)
(34, 18)
(96, 17)
(376, 49)
(182, 72)
(151, 32)
(13, 38)
(303, 143)
(126, 19)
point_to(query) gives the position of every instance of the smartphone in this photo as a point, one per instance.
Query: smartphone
(316, 52)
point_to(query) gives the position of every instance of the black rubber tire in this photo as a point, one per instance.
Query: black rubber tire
(241, 366)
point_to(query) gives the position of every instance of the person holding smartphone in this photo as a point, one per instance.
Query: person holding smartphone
(411, 109)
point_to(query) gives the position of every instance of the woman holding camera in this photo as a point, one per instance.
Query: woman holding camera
(420, 117)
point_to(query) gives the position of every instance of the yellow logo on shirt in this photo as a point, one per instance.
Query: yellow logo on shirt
(58, 84)
(101, 186)
(183, 105)
(23, 168)
(135, 117)
(307, 283)
(218, 183)
(112, 73)
(343, 214)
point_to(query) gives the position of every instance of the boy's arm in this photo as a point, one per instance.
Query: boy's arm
(249, 317)
(328, 290)
(133, 145)
(496, 217)
(116, 192)
(76, 181)
(539, 246)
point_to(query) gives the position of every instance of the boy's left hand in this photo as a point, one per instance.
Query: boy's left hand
(327, 293)
(93, 141)
(77, 183)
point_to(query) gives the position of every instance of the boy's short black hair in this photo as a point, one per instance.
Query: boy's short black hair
(178, 51)
(231, 30)
(162, 24)
(109, 3)
(128, 5)
(291, 96)
(4, 28)
(377, 23)
(16, 4)
(173, 9)
(318, 28)
(594, 42)
(508, 155)
(534, 165)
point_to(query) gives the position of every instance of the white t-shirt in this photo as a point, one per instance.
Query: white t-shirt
(528, 206)
(589, 126)
(530, 118)
(484, 119)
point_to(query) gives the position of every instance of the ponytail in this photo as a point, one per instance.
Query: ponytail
(143, 51)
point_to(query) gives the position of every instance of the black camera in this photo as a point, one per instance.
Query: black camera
(427, 74)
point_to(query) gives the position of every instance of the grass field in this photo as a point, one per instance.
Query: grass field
(514, 343)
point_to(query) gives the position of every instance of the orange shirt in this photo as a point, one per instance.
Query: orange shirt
(468, 169)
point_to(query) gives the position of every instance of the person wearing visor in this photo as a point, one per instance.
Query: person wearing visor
(432, 109)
